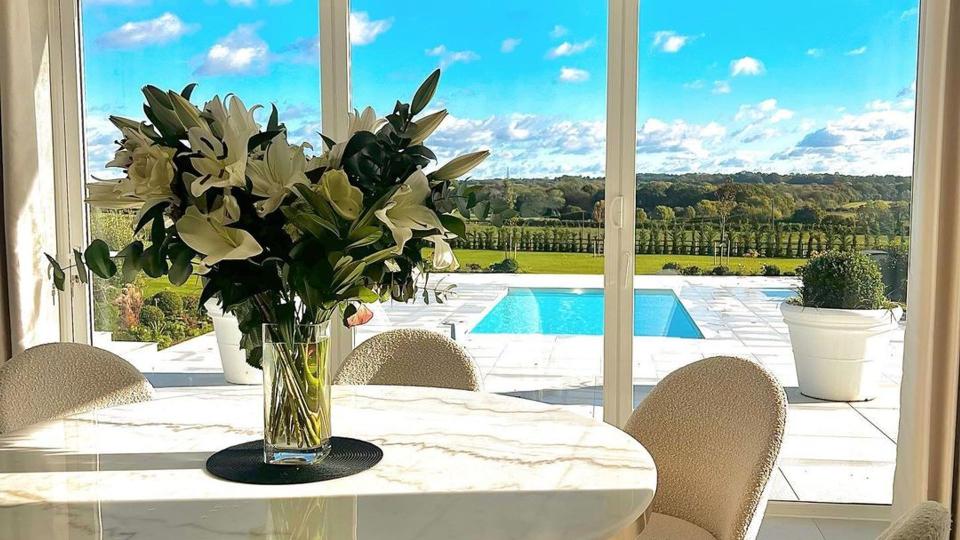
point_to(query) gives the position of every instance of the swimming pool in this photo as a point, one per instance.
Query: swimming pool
(778, 294)
(580, 312)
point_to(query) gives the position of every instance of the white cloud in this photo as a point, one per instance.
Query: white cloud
(509, 45)
(241, 3)
(766, 110)
(746, 66)
(693, 85)
(874, 142)
(910, 13)
(240, 52)
(856, 52)
(879, 105)
(908, 91)
(164, 29)
(669, 41)
(558, 31)
(573, 75)
(364, 30)
(567, 48)
(816, 53)
(721, 87)
(448, 57)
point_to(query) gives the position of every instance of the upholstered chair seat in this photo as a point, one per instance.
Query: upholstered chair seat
(714, 429)
(410, 357)
(59, 379)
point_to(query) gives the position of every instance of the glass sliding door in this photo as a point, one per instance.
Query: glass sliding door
(525, 80)
(265, 53)
(768, 134)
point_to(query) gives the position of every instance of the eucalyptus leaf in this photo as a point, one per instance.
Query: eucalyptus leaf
(59, 276)
(81, 268)
(97, 258)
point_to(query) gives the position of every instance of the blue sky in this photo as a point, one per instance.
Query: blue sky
(814, 86)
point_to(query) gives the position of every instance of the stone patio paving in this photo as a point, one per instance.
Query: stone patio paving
(833, 452)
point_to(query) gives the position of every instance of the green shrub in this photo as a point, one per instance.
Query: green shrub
(169, 302)
(842, 280)
(789, 273)
(720, 271)
(894, 270)
(672, 266)
(770, 270)
(691, 271)
(506, 266)
(191, 303)
(151, 316)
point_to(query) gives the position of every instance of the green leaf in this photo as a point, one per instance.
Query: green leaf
(273, 124)
(318, 203)
(158, 231)
(372, 236)
(181, 267)
(81, 268)
(59, 276)
(163, 116)
(454, 224)
(310, 223)
(150, 214)
(425, 93)
(261, 138)
(132, 263)
(97, 257)
(188, 90)
(153, 262)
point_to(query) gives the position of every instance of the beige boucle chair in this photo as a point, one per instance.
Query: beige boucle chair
(59, 379)
(926, 521)
(410, 357)
(714, 429)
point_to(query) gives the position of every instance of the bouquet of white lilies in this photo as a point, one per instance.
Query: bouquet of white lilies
(277, 234)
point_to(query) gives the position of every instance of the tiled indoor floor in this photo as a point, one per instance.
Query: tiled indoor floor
(833, 452)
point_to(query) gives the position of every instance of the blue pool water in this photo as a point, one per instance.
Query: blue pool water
(779, 294)
(580, 312)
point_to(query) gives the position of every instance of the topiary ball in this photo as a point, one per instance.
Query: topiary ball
(169, 302)
(151, 315)
(842, 280)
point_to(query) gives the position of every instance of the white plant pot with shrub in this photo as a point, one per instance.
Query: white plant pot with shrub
(236, 370)
(840, 326)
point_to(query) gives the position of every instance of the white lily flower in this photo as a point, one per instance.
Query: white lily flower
(217, 242)
(274, 176)
(365, 121)
(222, 145)
(406, 212)
(443, 257)
(150, 171)
(110, 194)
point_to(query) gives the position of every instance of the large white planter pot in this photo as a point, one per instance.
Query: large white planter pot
(235, 367)
(837, 352)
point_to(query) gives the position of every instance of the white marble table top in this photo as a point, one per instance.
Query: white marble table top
(456, 464)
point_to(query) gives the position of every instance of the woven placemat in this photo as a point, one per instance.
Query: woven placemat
(244, 463)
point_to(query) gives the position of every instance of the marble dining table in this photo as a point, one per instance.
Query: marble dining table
(456, 464)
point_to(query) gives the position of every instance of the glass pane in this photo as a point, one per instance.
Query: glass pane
(767, 134)
(243, 48)
(525, 80)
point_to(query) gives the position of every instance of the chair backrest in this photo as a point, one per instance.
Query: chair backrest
(59, 379)
(714, 429)
(927, 521)
(410, 357)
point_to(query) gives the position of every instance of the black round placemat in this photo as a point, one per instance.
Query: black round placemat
(244, 463)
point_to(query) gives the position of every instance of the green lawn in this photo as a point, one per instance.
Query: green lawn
(585, 263)
(547, 263)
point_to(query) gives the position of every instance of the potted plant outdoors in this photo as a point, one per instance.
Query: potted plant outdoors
(840, 327)
(284, 240)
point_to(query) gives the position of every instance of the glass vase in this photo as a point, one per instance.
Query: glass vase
(296, 394)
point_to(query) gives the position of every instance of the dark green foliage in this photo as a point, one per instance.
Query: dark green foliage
(506, 266)
(691, 271)
(191, 304)
(672, 266)
(770, 270)
(151, 316)
(894, 269)
(842, 280)
(721, 271)
(169, 302)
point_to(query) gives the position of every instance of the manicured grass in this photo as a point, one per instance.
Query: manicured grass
(546, 263)
(585, 263)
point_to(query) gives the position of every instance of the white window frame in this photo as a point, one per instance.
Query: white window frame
(620, 201)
